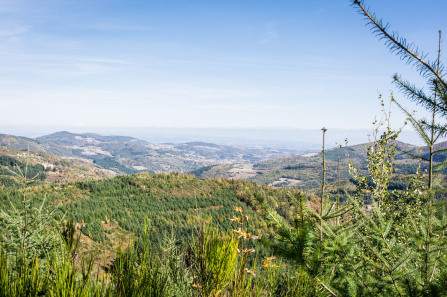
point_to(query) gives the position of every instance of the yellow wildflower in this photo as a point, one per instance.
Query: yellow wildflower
(234, 219)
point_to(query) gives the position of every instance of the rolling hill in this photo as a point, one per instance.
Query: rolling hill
(128, 155)
(304, 171)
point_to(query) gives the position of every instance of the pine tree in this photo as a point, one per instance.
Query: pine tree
(429, 130)
(27, 225)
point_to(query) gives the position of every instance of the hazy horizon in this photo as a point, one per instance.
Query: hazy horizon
(279, 137)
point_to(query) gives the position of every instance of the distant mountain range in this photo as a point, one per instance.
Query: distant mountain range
(273, 137)
(122, 154)
(304, 171)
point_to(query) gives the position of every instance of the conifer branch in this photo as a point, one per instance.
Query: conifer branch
(417, 95)
(415, 123)
(399, 45)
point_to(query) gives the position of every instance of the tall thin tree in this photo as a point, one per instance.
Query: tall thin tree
(323, 185)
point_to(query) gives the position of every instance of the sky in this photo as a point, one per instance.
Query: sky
(86, 65)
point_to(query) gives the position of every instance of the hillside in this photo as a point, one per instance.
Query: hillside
(111, 210)
(304, 171)
(129, 155)
(48, 168)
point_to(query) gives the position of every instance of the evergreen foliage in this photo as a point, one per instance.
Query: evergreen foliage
(25, 223)
(110, 163)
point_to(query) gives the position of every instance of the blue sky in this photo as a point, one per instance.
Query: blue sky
(301, 64)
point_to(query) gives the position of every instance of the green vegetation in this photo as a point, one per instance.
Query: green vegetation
(303, 171)
(393, 247)
(166, 201)
(50, 168)
(127, 155)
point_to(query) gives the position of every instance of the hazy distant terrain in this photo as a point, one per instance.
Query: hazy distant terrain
(128, 155)
(273, 137)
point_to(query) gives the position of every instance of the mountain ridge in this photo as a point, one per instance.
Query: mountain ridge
(125, 154)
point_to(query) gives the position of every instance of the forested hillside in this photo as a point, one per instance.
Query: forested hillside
(166, 202)
(304, 171)
(48, 168)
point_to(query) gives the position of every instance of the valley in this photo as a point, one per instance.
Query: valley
(70, 157)
(127, 155)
